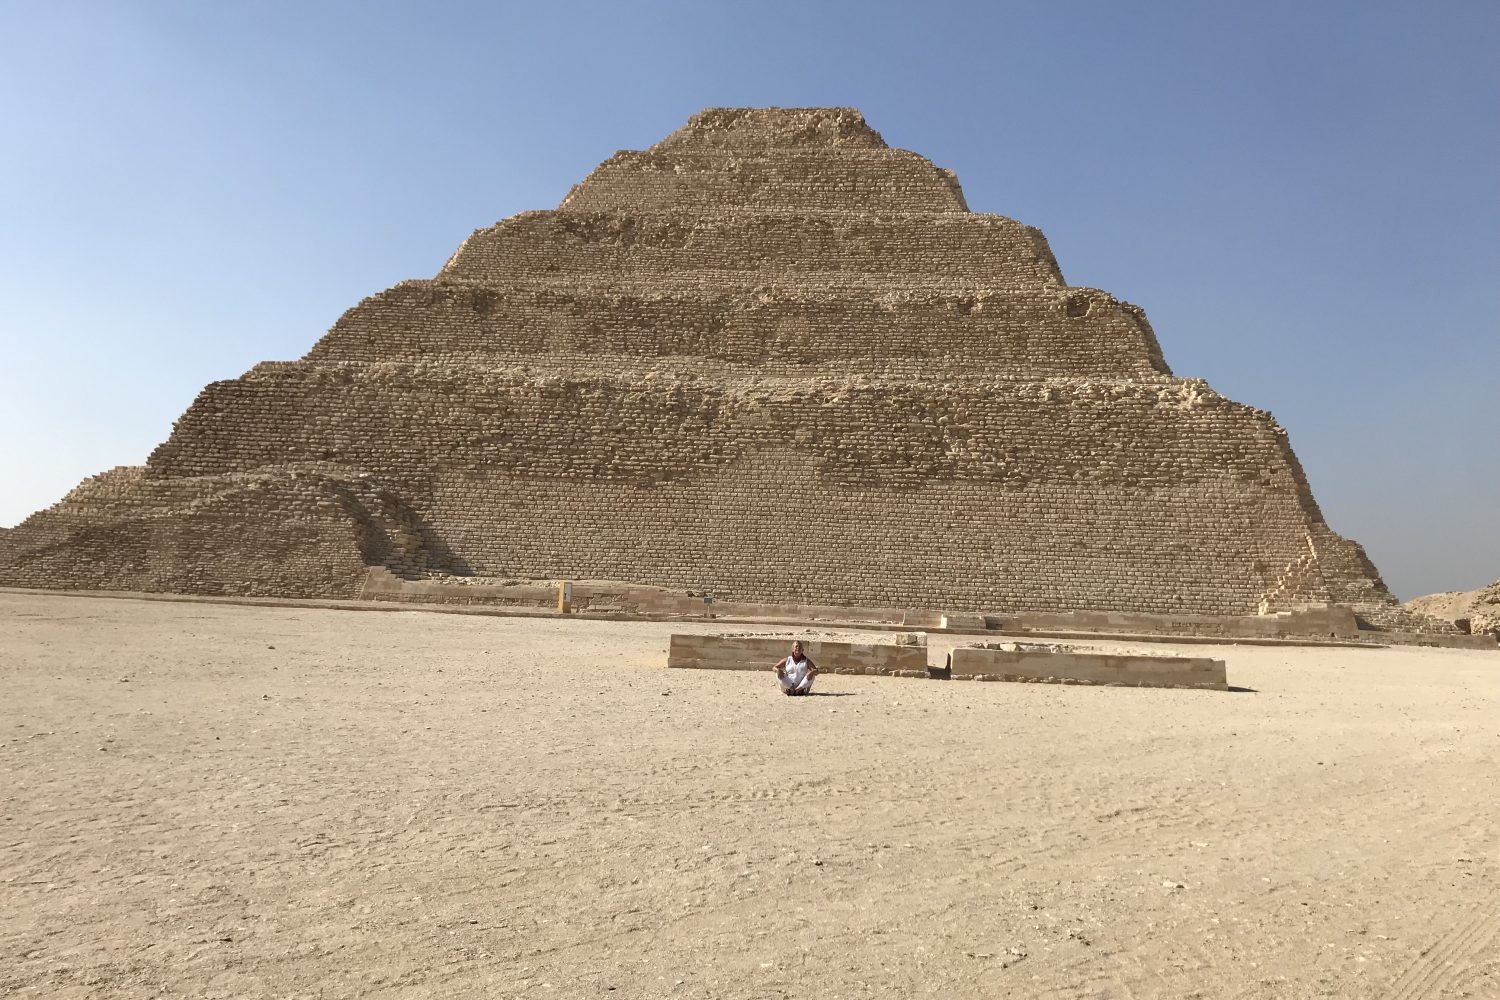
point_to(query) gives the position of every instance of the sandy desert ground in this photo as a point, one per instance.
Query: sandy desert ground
(217, 801)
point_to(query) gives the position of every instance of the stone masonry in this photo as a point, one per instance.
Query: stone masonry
(769, 357)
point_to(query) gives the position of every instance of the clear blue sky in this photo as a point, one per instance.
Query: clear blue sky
(1304, 196)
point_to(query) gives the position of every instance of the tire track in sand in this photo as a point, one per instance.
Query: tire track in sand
(1434, 971)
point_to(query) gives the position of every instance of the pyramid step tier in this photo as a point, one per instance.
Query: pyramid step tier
(760, 129)
(1082, 332)
(648, 423)
(711, 181)
(746, 249)
(306, 532)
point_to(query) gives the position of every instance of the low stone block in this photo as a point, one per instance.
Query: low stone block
(981, 663)
(720, 652)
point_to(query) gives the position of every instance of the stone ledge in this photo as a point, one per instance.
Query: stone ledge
(1375, 640)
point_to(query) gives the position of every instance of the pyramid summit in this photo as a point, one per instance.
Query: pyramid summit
(769, 356)
(775, 128)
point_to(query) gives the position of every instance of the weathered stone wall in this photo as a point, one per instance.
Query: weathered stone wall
(863, 180)
(645, 424)
(771, 357)
(1066, 332)
(297, 532)
(1124, 495)
(670, 249)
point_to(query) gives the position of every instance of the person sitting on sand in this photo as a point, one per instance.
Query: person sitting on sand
(796, 672)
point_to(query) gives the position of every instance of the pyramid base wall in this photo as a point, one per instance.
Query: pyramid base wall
(767, 531)
(772, 532)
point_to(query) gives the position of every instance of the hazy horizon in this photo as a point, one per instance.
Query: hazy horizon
(1306, 202)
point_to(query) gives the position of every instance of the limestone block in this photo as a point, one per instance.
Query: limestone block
(1066, 667)
(718, 652)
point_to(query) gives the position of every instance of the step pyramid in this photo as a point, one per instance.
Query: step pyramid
(770, 357)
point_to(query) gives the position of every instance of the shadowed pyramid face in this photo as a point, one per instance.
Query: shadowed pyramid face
(769, 356)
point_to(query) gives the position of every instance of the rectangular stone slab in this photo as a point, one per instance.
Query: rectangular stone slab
(717, 652)
(975, 662)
